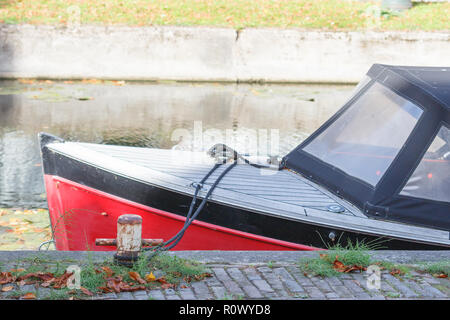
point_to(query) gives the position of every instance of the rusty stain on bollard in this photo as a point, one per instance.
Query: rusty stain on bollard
(129, 239)
(129, 235)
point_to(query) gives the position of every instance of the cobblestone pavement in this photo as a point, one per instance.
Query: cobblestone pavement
(279, 280)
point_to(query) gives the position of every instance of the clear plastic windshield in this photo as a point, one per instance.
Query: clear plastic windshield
(431, 179)
(367, 137)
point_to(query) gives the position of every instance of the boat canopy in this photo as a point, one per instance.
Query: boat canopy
(387, 150)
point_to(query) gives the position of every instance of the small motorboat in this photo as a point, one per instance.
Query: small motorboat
(377, 172)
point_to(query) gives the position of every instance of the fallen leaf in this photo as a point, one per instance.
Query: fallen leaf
(6, 277)
(338, 265)
(86, 291)
(61, 281)
(396, 272)
(341, 267)
(108, 271)
(162, 280)
(167, 285)
(105, 289)
(28, 296)
(114, 284)
(150, 277)
(7, 288)
(21, 283)
(136, 277)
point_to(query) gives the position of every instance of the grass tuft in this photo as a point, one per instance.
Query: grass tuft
(349, 255)
(438, 268)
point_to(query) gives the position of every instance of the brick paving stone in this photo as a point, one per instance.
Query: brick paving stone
(300, 277)
(43, 293)
(414, 285)
(212, 281)
(125, 296)
(346, 276)
(156, 295)
(343, 291)
(288, 280)
(186, 294)
(401, 286)
(28, 288)
(314, 293)
(274, 281)
(201, 290)
(355, 289)
(140, 295)
(331, 295)
(171, 294)
(376, 295)
(250, 290)
(429, 291)
(385, 286)
(333, 281)
(263, 285)
(430, 279)
(322, 285)
(231, 286)
(251, 274)
(220, 292)
(237, 275)
(108, 296)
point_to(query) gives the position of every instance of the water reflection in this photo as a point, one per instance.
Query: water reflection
(143, 114)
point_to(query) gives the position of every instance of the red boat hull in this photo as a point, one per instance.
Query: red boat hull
(80, 214)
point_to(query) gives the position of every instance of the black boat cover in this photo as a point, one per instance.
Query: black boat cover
(387, 150)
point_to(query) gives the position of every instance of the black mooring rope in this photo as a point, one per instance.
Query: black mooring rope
(226, 154)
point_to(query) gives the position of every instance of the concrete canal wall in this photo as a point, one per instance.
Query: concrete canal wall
(210, 54)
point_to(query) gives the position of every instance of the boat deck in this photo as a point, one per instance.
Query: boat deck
(283, 186)
(271, 192)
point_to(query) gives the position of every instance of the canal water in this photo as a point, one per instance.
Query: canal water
(147, 115)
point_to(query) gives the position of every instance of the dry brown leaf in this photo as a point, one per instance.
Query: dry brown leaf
(61, 281)
(136, 277)
(7, 288)
(396, 272)
(114, 284)
(6, 277)
(28, 296)
(86, 291)
(167, 285)
(105, 289)
(162, 280)
(338, 265)
(108, 271)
